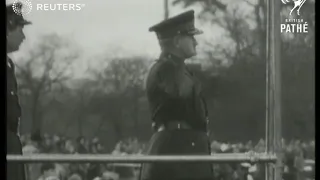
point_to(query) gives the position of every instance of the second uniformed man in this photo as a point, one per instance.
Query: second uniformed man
(178, 110)
(15, 36)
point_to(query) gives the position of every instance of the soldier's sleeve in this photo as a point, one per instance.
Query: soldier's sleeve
(12, 101)
(167, 80)
(161, 76)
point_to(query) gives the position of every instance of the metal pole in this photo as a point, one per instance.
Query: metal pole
(269, 94)
(273, 115)
(166, 9)
(276, 46)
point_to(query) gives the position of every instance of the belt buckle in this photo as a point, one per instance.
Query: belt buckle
(179, 125)
(161, 128)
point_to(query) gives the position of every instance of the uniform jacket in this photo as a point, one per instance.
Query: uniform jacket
(13, 106)
(15, 171)
(174, 94)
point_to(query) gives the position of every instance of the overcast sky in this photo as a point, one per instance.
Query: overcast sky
(105, 26)
(121, 24)
(118, 26)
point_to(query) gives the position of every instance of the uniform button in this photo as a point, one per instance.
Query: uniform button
(11, 92)
(192, 144)
(9, 65)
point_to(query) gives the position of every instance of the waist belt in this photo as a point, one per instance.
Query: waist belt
(173, 125)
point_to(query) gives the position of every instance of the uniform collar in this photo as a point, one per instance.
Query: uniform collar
(173, 58)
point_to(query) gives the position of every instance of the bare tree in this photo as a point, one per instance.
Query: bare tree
(120, 86)
(243, 45)
(83, 105)
(43, 73)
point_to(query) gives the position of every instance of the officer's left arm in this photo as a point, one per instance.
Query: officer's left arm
(167, 80)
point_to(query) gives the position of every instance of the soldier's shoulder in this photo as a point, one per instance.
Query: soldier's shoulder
(162, 66)
(159, 70)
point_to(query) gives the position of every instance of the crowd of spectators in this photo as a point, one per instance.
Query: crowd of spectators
(298, 159)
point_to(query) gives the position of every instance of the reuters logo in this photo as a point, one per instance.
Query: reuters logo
(22, 7)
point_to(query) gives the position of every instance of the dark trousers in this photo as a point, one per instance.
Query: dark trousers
(15, 170)
(178, 142)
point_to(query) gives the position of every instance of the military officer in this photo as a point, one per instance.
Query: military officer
(178, 109)
(15, 36)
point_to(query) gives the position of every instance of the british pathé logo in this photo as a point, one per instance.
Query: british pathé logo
(297, 4)
(294, 25)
